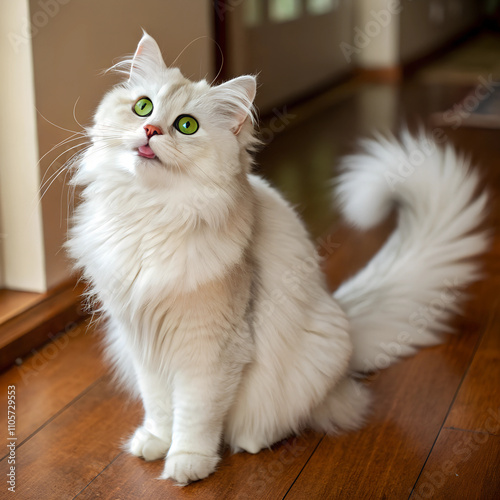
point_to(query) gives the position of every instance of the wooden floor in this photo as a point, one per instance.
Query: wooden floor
(435, 428)
(13, 302)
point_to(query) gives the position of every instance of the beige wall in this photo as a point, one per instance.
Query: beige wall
(22, 250)
(291, 58)
(2, 238)
(387, 32)
(295, 57)
(427, 24)
(376, 32)
(72, 42)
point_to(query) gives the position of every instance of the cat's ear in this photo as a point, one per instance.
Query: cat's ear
(147, 61)
(235, 100)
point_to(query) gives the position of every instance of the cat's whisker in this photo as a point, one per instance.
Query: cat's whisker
(121, 67)
(174, 63)
(221, 52)
(81, 145)
(67, 189)
(66, 167)
(207, 177)
(54, 125)
(70, 204)
(65, 142)
(74, 137)
(74, 114)
(44, 190)
(115, 129)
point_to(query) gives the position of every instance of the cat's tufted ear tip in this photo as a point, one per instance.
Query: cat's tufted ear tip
(145, 41)
(249, 83)
(147, 58)
(237, 97)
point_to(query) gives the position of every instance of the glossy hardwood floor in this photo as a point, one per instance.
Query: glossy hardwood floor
(435, 427)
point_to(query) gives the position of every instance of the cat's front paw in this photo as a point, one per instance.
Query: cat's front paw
(183, 468)
(146, 445)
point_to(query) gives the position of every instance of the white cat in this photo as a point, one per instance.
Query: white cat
(218, 314)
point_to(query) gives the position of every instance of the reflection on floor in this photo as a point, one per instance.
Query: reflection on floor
(479, 57)
(303, 161)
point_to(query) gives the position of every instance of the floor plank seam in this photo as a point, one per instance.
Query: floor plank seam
(303, 467)
(473, 431)
(102, 471)
(59, 412)
(464, 375)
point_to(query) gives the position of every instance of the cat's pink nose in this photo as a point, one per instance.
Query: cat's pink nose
(152, 130)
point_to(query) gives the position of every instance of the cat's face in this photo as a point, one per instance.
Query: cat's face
(162, 127)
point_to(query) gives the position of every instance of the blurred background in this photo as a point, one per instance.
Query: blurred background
(310, 57)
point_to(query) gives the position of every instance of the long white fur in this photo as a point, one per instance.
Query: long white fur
(218, 314)
(402, 299)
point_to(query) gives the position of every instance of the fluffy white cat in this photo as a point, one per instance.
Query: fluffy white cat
(218, 314)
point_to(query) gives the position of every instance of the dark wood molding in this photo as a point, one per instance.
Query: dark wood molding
(392, 74)
(220, 35)
(410, 67)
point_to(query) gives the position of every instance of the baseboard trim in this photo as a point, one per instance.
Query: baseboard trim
(392, 74)
(58, 310)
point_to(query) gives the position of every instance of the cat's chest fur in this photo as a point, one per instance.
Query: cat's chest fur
(145, 249)
(171, 289)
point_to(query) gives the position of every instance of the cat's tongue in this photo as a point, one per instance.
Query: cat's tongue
(146, 151)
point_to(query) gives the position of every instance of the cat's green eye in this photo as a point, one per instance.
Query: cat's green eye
(186, 124)
(143, 107)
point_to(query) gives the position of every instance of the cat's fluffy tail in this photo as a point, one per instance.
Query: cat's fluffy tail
(402, 299)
